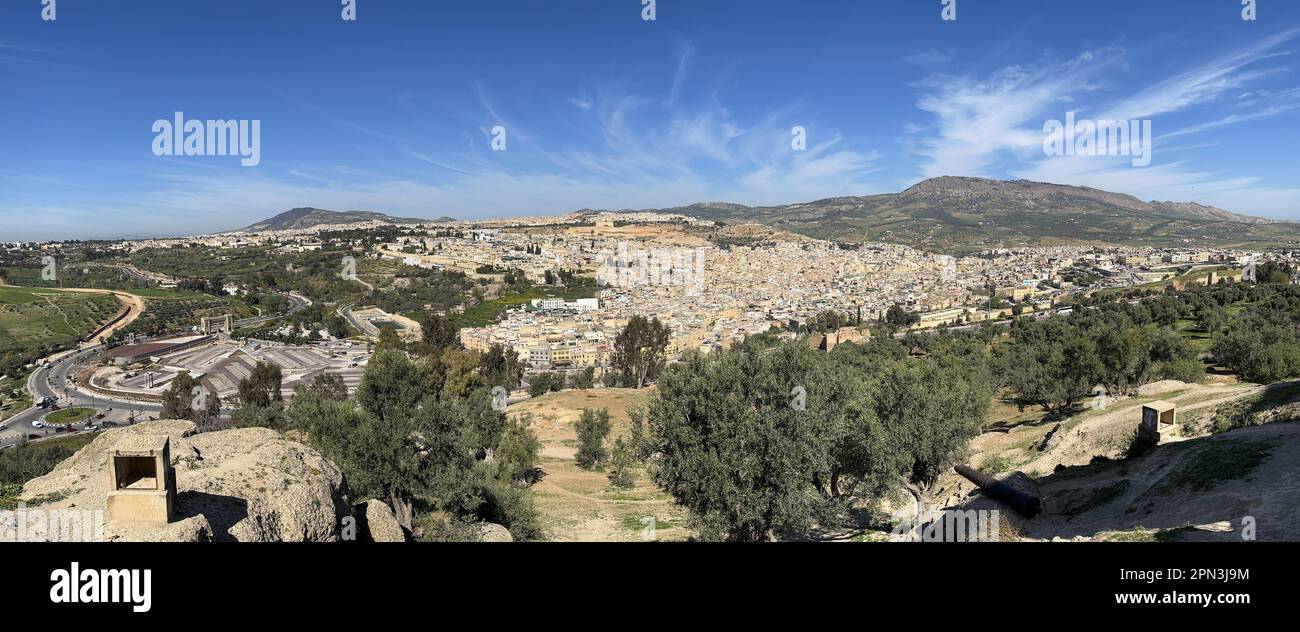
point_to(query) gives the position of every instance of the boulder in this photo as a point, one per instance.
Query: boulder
(492, 532)
(381, 523)
(247, 485)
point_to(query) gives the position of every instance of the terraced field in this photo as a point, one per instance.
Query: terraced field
(35, 317)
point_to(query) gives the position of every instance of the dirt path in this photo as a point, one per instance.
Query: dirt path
(545, 484)
(1092, 490)
(134, 305)
(1037, 448)
(1145, 493)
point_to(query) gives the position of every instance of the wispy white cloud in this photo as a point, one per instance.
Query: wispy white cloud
(993, 126)
(630, 150)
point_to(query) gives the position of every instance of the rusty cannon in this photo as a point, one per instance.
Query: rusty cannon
(1027, 505)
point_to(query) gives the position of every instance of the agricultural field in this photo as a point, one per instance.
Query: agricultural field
(316, 274)
(32, 318)
(164, 314)
(75, 274)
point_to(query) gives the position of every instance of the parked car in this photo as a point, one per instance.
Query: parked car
(109, 423)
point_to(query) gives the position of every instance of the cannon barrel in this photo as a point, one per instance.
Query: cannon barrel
(1027, 504)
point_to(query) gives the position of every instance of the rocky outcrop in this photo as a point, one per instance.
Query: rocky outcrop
(380, 522)
(247, 485)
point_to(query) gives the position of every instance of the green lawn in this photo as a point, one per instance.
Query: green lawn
(69, 416)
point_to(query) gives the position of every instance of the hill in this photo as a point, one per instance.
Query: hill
(963, 215)
(307, 217)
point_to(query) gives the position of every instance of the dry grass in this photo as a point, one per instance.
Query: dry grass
(577, 504)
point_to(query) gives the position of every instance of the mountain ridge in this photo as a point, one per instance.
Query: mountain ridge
(958, 214)
(310, 217)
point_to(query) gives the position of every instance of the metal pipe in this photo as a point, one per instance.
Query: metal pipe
(1028, 505)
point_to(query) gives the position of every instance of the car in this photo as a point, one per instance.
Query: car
(109, 423)
(91, 428)
(60, 428)
(38, 424)
(99, 416)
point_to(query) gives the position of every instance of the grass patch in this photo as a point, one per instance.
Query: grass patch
(69, 416)
(1217, 462)
(1253, 411)
(1141, 534)
(996, 464)
(486, 313)
(23, 463)
(1095, 497)
(36, 317)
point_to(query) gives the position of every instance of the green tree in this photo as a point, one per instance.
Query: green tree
(1212, 319)
(178, 400)
(734, 446)
(517, 454)
(583, 379)
(389, 340)
(502, 367)
(899, 317)
(337, 326)
(620, 465)
(640, 350)
(439, 331)
(261, 387)
(592, 428)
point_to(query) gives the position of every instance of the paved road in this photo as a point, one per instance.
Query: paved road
(362, 326)
(56, 382)
(296, 304)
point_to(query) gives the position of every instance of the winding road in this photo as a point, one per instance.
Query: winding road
(56, 382)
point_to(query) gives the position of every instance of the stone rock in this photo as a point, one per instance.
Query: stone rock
(248, 485)
(192, 529)
(381, 522)
(492, 532)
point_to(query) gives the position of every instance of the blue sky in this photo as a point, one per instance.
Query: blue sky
(393, 112)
